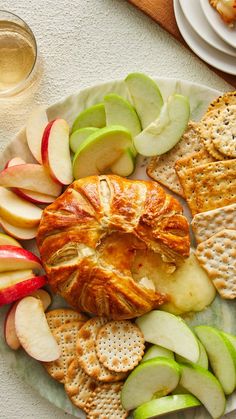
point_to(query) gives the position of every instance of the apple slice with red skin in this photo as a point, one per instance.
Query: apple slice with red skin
(33, 331)
(30, 176)
(19, 233)
(6, 240)
(35, 126)
(13, 258)
(11, 291)
(15, 161)
(56, 151)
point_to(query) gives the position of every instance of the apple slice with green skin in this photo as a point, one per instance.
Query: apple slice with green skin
(35, 127)
(221, 354)
(230, 337)
(205, 386)
(77, 137)
(120, 112)
(155, 351)
(165, 132)
(17, 211)
(101, 150)
(55, 151)
(169, 331)
(94, 116)
(29, 176)
(6, 240)
(202, 360)
(14, 258)
(33, 331)
(146, 97)
(154, 378)
(17, 284)
(125, 165)
(168, 404)
(19, 233)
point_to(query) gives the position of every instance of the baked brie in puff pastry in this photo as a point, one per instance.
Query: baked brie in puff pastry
(89, 236)
(226, 9)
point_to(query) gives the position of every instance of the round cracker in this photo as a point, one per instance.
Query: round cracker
(60, 316)
(120, 345)
(66, 337)
(223, 132)
(106, 403)
(87, 355)
(78, 385)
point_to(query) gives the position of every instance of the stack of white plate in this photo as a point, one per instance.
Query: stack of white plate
(206, 34)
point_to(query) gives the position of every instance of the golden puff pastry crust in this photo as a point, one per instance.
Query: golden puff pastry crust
(89, 236)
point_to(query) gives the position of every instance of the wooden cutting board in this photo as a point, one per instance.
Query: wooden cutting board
(162, 11)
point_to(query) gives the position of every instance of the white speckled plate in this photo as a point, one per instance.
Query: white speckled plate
(221, 313)
(224, 31)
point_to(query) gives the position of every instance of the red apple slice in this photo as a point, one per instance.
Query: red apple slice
(10, 329)
(14, 258)
(29, 176)
(15, 161)
(18, 232)
(33, 331)
(8, 241)
(17, 211)
(34, 131)
(14, 286)
(56, 151)
(44, 296)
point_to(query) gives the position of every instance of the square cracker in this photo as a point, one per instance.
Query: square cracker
(210, 186)
(162, 168)
(192, 160)
(217, 256)
(208, 223)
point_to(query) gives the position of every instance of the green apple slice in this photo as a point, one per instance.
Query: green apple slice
(146, 97)
(165, 132)
(77, 137)
(154, 378)
(202, 360)
(92, 117)
(221, 354)
(155, 351)
(120, 112)
(125, 165)
(164, 405)
(101, 150)
(171, 332)
(230, 337)
(205, 386)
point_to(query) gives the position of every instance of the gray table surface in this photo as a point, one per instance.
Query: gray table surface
(82, 42)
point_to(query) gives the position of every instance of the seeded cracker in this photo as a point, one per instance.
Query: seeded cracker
(87, 355)
(120, 345)
(78, 385)
(208, 223)
(162, 169)
(60, 316)
(106, 403)
(66, 336)
(217, 256)
(210, 186)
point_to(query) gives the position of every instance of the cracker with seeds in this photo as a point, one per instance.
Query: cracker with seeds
(208, 223)
(66, 337)
(87, 355)
(120, 345)
(210, 186)
(106, 403)
(162, 168)
(78, 385)
(60, 316)
(217, 256)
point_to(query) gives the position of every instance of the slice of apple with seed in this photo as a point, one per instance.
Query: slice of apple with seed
(154, 378)
(91, 117)
(120, 112)
(101, 150)
(146, 97)
(164, 405)
(169, 331)
(165, 132)
(156, 351)
(77, 137)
